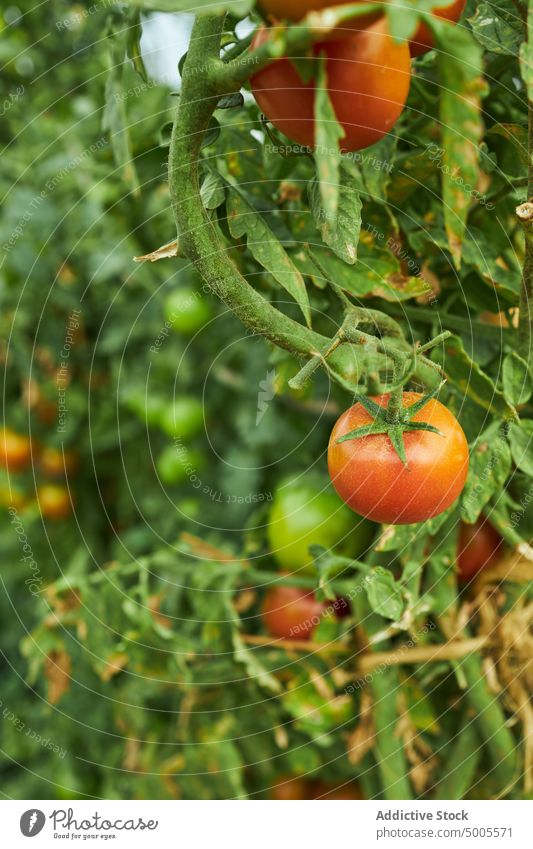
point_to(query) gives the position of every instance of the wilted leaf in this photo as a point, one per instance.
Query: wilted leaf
(57, 669)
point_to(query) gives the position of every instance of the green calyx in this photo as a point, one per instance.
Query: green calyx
(393, 420)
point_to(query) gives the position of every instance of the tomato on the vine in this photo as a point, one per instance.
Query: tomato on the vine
(15, 450)
(291, 613)
(422, 40)
(479, 547)
(54, 501)
(305, 513)
(372, 479)
(186, 310)
(368, 76)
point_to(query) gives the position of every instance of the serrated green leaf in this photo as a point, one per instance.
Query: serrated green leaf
(244, 220)
(239, 8)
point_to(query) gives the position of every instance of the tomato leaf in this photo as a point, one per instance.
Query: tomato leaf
(521, 440)
(384, 593)
(517, 379)
(460, 65)
(213, 191)
(467, 376)
(244, 220)
(340, 232)
(497, 27)
(490, 465)
(327, 154)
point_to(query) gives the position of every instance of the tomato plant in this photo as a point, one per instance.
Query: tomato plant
(356, 69)
(210, 260)
(305, 513)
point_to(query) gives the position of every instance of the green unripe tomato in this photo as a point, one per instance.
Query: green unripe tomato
(176, 463)
(186, 310)
(305, 512)
(183, 418)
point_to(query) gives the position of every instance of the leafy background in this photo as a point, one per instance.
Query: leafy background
(132, 663)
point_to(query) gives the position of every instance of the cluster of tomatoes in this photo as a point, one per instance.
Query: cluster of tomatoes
(304, 513)
(17, 454)
(368, 75)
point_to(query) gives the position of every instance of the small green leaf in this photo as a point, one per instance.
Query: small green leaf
(384, 594)
(497, 27)
(517, 379)
(403, 21)
(521, 440)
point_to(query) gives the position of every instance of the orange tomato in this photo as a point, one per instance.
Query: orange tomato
(368, 77)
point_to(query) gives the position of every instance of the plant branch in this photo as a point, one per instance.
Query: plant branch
(287, 41)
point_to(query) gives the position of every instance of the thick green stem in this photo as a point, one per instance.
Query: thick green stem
(198, 238)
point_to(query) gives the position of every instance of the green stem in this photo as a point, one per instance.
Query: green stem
(198, 238)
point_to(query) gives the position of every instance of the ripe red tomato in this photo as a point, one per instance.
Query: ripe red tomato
(15, 450)
(291, 613)
(54, 501)
(369, 475)
(422, 40)
(479, 547)
(368, 83)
